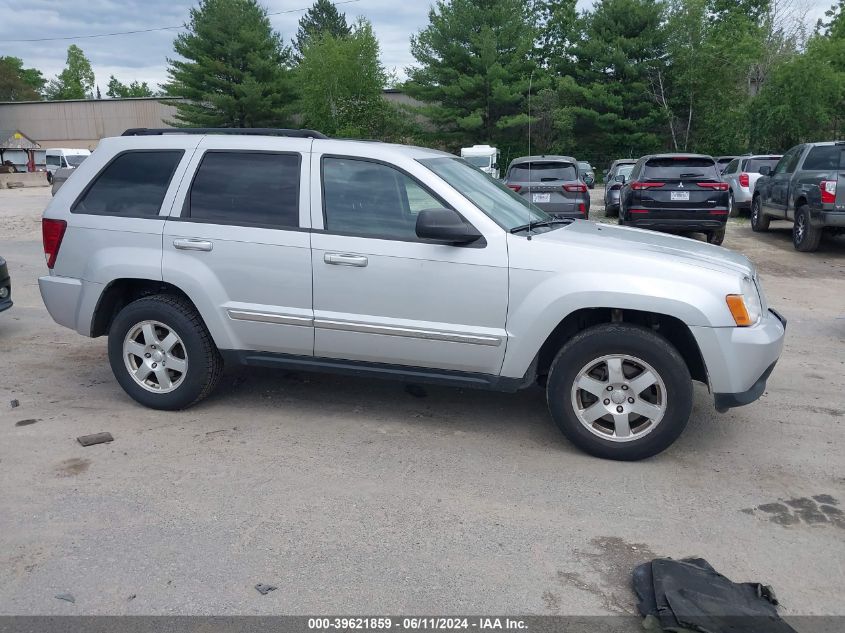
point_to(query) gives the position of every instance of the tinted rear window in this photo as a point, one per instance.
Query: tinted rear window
(753, 165)
(541, 172)
(249, 188)
(675, 168)
(824, 158)
(132, 184)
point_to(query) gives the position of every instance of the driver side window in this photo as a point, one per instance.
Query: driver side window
(370, 199)
(786, 165)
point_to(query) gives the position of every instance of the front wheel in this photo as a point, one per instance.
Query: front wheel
(759, 220)
(620, 392)
(805, 236)
(162, 354)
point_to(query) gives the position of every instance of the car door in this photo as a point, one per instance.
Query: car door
(776, 197)
(237, 242)
(381, 295)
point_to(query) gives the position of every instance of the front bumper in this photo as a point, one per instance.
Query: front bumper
(739, 360)
(5, 286)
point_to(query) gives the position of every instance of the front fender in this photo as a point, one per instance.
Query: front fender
(539, 301)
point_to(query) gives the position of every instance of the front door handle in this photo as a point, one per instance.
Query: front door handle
(193, 245)
(340, 259)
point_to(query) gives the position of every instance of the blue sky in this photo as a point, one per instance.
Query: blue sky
(143, 56)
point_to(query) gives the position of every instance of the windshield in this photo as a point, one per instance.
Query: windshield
(542, 172)
(585, 167)
(478, 161)
(502, 205)
(75, 160)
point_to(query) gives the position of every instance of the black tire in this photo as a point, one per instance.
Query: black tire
(733, 210)
(805, 236)
(759, 220)
(611, 212)
(716, 237)
(50, 177)
(638, 342)
(203, 365)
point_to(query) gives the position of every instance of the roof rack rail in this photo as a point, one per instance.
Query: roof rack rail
(245, 131)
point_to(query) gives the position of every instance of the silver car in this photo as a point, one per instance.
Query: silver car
(552, 183)
(194, 249)
(741, 174)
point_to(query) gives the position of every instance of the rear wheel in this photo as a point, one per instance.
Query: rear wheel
(805, 236)
(162, 354)
(620, 392)
(716, 237)
(759, 220)
(733, 210)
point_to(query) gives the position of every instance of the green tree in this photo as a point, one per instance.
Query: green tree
(342, 84)
(116, 89)
(18, 83)
(76, 81)
(606, 108)
(322, 18)
(234, 69)
(476, 59)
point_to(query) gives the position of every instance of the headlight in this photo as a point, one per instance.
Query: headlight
(746, 308)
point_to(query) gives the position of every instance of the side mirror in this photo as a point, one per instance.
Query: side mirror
(766, 170)
(445, 226)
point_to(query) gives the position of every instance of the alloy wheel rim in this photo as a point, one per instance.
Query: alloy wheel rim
(155, 356)
(619, 397)
(799, 228)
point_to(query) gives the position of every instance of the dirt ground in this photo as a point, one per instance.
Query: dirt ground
(357, 496)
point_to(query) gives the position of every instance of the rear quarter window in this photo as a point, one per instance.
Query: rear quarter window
(680, 168)
(543, 172)
(753, 165)
(133, 184)
(823, 158)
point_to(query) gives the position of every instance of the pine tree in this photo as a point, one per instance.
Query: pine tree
(322, 18)
(18, 83)
(234, 68)
(476, 59)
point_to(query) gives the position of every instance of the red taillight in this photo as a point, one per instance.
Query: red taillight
(639, 186)
(828, 189)
(582, 208)
(719, 212)
(515, 187)
(575, 188)
(718, 186)
(52, 232)
(743, 180)
(637, 210)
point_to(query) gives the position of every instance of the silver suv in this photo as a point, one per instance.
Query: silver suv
(191, 250)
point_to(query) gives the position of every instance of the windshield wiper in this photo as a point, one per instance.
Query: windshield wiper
(549, 222)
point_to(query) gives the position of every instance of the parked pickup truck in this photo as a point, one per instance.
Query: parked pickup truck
(803, 188)
(283, 248)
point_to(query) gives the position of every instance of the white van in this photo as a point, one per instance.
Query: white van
(59, 158)
(485, 157)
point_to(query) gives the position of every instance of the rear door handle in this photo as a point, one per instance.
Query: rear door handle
(340, 259)
(193, 245)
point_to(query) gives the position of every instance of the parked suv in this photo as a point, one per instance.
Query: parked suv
(741, 175)
(551, 183)
(287, 249)
(588, 174)
(805, 188)
(616, 177)
(679, 193)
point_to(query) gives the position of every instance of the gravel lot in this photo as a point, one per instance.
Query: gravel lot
(355, 496)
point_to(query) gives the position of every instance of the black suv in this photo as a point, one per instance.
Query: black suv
(677, 193)
(803, 189)
(5, 287)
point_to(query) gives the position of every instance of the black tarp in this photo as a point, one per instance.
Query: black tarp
(689, 594)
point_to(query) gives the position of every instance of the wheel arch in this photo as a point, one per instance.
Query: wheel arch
(119, 293)
(669, 327)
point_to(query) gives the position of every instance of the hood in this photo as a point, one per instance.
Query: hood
(662, 245)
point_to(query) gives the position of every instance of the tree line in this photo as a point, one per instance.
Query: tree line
(622, 79)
